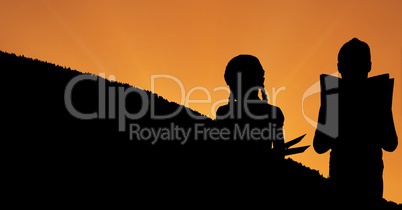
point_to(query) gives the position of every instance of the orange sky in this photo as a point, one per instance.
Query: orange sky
(296, 41)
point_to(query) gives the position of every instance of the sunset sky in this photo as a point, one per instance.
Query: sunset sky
(192, 41)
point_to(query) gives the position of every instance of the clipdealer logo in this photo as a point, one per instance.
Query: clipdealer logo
(200, 132)
(330, 127)
(147, 103)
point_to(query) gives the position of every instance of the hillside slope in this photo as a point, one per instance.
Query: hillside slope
(72, 158)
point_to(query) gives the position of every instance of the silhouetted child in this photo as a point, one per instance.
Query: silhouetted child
(356, 124)
(257, 141)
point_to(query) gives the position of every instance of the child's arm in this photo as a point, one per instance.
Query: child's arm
(389, 142)
(322, 142)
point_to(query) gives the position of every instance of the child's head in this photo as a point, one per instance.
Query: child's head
(247, 71)
(354, 60)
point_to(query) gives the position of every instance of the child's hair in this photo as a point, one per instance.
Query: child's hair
(354, 51)
(354, 59)
(251, 75)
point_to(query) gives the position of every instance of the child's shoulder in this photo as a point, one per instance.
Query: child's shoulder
(258, 108)
(275, 111)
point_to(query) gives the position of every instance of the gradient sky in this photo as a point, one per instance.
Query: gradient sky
(296, 41)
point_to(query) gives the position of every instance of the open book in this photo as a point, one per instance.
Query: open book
(355, 109)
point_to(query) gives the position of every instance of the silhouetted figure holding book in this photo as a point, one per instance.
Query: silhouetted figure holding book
(257, 142)
(355, 122)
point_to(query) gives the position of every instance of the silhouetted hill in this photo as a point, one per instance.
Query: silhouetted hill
(57, 156)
